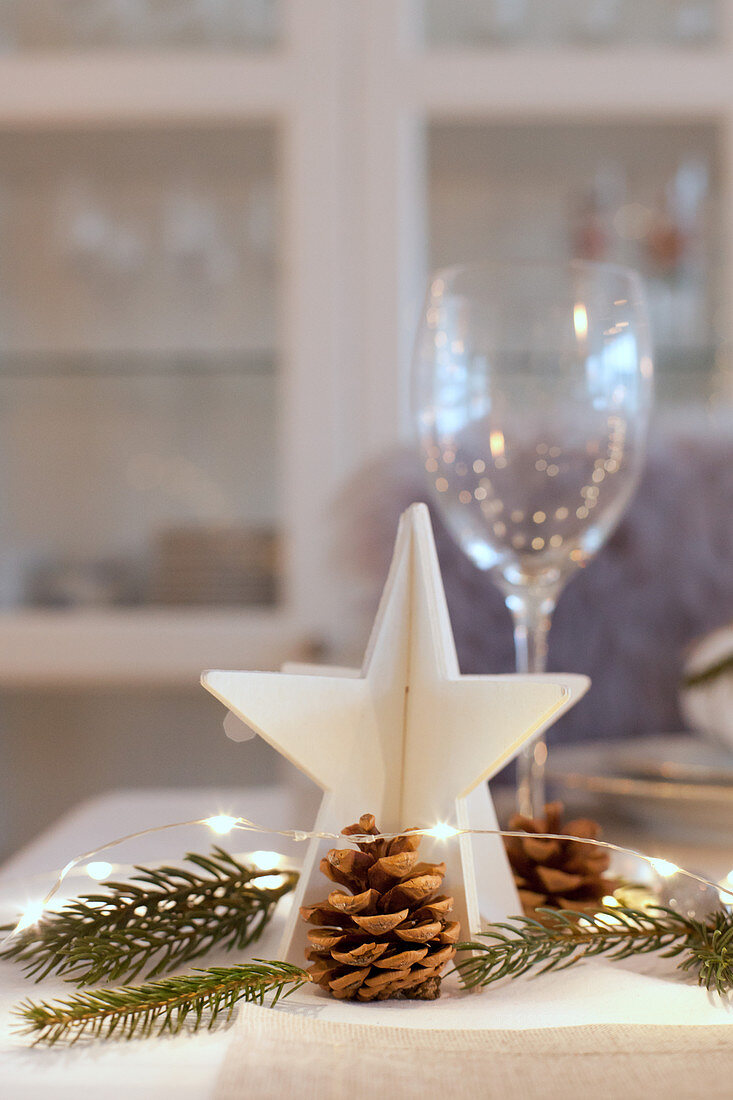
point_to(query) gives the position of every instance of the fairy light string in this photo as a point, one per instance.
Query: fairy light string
(224, 823)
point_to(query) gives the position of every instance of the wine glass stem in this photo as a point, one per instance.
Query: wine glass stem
(532, 613)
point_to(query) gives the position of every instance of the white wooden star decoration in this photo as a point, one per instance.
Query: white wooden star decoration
(407, 738)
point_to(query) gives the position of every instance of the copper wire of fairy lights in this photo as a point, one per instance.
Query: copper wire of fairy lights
(224, 823)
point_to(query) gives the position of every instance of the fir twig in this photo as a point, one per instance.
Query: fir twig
(710, 954)
(507, 950)
(160, 1006)
(563, 938)
(157, 921)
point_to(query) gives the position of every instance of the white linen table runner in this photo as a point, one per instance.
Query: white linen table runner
(281, 1054)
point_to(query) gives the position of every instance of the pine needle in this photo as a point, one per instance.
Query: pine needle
(157, 921)
(564, 937)
(202, 998)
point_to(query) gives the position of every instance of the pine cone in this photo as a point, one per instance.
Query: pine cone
(389, 937)
(558, 874)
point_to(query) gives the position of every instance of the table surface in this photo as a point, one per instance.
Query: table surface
(187, 1065)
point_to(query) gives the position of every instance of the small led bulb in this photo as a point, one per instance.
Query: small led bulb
(221, 823)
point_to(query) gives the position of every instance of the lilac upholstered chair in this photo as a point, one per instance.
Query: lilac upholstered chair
(664, 577)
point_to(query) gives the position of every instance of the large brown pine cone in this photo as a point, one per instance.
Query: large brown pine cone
(558, 874)
(388, 937)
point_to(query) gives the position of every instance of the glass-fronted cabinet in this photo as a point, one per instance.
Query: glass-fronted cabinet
(516, 128)
(216, 220)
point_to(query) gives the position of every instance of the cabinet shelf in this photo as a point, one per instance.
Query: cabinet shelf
(148, 646)
(112, 88)
(135, 363)
(527, 83)
(118, 87)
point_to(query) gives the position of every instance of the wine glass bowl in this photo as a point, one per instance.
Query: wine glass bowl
(531, 391)
(532, 514)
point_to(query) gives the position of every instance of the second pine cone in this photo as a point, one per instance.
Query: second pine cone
(558, 874)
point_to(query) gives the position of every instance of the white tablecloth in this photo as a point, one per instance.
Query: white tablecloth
(642, 991)
(185, 1066)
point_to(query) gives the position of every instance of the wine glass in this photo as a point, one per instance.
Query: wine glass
(532, 388)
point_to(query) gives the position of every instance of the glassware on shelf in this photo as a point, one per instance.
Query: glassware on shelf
(137, 24)
(599, 21)
(694, 21)
(531, 392)
(595, 23)
(85, 582)
(647, 195)
(506, 20)
(213, 564)
(139, 479)
(146, 237)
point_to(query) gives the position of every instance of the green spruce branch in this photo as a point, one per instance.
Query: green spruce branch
(710, 955)
(157, 921)
(563, 938)
(165, 1005)
(555, 941)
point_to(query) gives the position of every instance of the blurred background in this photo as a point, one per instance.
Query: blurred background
(216, 222)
